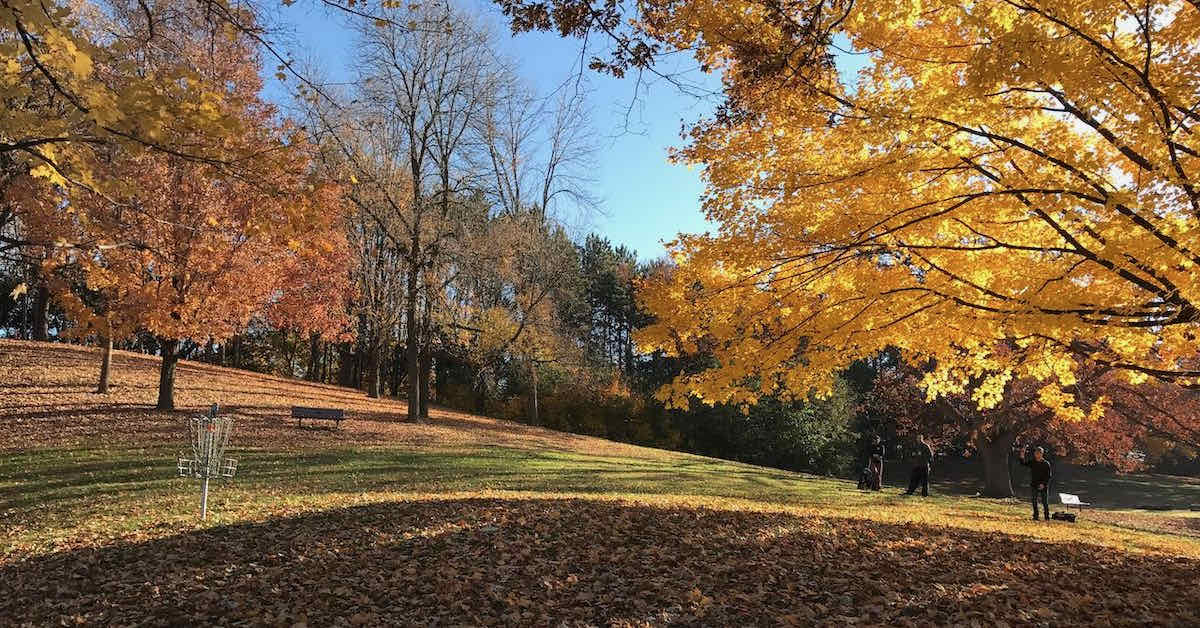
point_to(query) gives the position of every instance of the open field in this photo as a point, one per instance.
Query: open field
(468, 520)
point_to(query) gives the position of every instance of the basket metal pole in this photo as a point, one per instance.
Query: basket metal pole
(204, 500)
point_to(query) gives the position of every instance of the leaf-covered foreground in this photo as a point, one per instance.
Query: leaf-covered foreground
(552, 561)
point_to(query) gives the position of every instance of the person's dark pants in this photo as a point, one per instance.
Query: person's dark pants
(920, 475)
(1044, 494)
(876, 474)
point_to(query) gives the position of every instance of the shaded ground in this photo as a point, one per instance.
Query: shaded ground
(550, 562)
(1139, 501)
(1100, 486)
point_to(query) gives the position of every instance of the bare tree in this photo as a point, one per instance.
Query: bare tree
(537, 151)
(458, 172)
(425, 84)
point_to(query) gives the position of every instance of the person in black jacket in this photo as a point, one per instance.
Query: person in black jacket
(1039, 480)
(876, 464)
(921, 470)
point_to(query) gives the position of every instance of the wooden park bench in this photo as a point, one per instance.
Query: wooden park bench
(1068, 499)
(327, 414)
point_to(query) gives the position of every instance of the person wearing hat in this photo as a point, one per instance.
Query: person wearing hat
(1039, 480)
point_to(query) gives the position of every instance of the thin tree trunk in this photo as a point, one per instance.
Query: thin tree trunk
(373, 370)
(345, 366)
(426, 358)
(533, 416)
(106, 348)
(325, 364)
(993, 454)
(439, 377)
(314, 357)
(166, 374)
(41, 312)
(426, 368)
(397, 361)
(480, 395)
(413, 334)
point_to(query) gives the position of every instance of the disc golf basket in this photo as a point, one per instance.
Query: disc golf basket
(210, 435)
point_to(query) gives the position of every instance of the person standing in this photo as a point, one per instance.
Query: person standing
(877, 452)
(922, 469)
(1039, 480)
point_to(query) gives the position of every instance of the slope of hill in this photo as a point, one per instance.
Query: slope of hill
(472, 521)
(47, 399)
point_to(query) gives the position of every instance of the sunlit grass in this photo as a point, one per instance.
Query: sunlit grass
(54, 498)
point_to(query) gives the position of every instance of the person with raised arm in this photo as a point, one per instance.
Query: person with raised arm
(1039, 480)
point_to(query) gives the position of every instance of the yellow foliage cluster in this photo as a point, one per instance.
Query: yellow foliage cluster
(77, 77)
(1004, 191)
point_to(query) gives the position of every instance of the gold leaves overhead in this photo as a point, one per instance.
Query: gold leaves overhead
(1003, 190)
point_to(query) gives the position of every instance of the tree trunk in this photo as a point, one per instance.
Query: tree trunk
(325, 364)
(41, 313)
(533, 393)
(343, 373)
(439, 377)
(372, 367)
(993, 454)
(480, 395)
(426, 369)
(413, 336)
(106, 348)
(314, 357)
(166, 374)
(359, 363)
(397, 361)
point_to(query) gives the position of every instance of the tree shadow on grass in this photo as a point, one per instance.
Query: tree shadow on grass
(67, 483)
(582, 562)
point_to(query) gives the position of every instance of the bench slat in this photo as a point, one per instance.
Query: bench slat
(302, 412)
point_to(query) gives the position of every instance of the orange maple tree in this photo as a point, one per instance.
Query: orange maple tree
(190, 250)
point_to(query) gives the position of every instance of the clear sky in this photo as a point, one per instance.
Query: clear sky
(644, 199)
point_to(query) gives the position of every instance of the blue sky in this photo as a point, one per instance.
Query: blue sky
(644, 200)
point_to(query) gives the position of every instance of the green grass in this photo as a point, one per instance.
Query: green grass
(61, 488)
(58, 497)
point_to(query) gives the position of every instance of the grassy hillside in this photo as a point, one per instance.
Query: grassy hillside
(468, 520)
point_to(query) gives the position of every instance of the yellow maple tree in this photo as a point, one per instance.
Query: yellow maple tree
(79, 78)
(1006, 189)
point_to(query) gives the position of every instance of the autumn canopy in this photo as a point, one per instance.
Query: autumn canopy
(1005, 190)
(153, 190)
